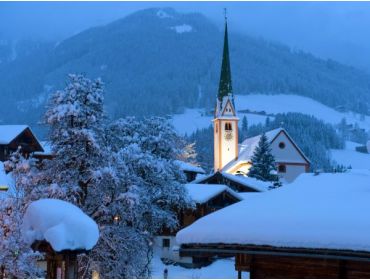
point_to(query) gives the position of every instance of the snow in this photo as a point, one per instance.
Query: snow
(283, 103)
(248, 181)
(163, 14)
(9, 132)
(202, 193)
(60, 223)
(327, 211)
(220, 269)
(182, 28)
(185, 166)
(46, 146)
(350, 157)
(193, 119)
(6, 182)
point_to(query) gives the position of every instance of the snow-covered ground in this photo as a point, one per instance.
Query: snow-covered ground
(349, 156)
(192, 119)
(220, 269)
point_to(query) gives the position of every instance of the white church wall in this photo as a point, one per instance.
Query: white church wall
(292, 172)
(228, 149)
(287, 154)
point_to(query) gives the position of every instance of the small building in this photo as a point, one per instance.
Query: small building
(315, 227)
(208, 198)
(13, 136)
(190, 170)
(289, 158)
(238, 183)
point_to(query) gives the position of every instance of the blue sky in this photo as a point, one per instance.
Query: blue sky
(337, 30)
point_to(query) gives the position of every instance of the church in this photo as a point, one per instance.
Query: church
(234, 158)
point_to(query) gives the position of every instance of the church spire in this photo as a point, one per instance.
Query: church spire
(225, 87)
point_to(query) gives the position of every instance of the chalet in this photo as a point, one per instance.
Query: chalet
(208, 198)
(191, 171)
(237, 183)
(321, 232)
(232, 158)
(13, 136)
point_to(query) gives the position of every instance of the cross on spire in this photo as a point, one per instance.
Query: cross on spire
(225, 86)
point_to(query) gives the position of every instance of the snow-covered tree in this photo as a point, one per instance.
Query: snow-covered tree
(263, 162)
(144, 187)
(17, 259)
(75, 117)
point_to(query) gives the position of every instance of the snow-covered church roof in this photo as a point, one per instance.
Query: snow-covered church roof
(327, 211)
(60, 223)
(202, 193)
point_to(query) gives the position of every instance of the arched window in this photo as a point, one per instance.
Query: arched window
(282, 168)
(228, 126)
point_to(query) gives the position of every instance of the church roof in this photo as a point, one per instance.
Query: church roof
(247, 147)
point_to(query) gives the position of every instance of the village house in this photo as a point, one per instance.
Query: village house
(321, 232)
(208, 198)
(14, 136)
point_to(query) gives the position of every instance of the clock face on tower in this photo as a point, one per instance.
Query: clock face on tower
(228, 136)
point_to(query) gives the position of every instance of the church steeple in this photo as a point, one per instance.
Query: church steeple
(225, 86)
(225, 123)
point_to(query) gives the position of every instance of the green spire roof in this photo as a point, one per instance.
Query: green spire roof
(225, 86)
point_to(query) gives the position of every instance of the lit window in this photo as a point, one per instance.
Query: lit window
(282, 168)
(281, 145)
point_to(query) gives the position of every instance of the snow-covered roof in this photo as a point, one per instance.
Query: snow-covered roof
(248, 181)
(327, 211)
(9, 132)
(46, 146)
(202, 193)
(185, 166)
(60, 223)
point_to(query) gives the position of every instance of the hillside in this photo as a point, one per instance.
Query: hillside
(160, 62)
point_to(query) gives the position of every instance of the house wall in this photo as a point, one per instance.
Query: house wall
(171, 252)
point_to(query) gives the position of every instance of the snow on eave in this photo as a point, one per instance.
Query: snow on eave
(327, 211)
(185, 166)
(60, 223)
(201, 193)
(249, 182)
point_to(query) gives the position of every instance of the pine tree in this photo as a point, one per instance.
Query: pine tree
(263, 162)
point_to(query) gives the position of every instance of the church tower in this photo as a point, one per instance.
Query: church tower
(225, 122)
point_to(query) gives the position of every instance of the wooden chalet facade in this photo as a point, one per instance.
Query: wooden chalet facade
(14, 136)
(216, 198)
(270, 262)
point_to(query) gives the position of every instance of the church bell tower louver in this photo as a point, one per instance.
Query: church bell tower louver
(225, 122)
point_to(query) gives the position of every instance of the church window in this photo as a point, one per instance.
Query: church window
(228, 126)
(282, 168)
(281, 145)
(216, 128)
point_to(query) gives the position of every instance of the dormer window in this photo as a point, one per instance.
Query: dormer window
(228, 126)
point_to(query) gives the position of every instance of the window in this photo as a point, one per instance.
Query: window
(228, 126)
(216, 128)
(165, 243)
(281, 145)
(282, 168)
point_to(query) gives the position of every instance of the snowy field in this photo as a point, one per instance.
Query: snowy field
(192, 119)
(349, 156)
(221, 269)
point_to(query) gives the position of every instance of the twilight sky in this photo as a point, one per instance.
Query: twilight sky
(337, 30)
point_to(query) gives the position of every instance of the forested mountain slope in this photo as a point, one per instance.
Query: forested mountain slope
(160, 61)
